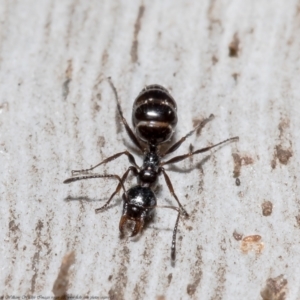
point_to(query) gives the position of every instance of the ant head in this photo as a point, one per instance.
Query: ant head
(139, 204)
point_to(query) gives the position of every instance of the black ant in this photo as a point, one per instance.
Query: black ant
(154, 117)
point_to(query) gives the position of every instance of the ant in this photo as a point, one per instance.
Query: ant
(154, 117)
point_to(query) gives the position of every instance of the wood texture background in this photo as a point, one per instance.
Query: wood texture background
(239, 60)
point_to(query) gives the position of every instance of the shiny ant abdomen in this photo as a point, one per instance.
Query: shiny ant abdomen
(154, 118)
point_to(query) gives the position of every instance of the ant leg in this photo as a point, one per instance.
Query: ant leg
(171, 189)
(184, 156)
(173, 247)
(129, 155)
(71, 179)
(134, 171)
(128, 129)
(178, 143)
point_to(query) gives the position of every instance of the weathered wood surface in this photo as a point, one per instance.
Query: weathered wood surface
(239, 60)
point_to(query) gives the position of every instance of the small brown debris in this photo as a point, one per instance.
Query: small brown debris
(60, 286)
(241, 194)
(267, 208)
(275, 289)
(240, 161)
(69, 69)
(235, 76)
(68, 75)
(283, 125)
(298, 219)
(234, 46)
(4, 107)
(191, 288)
(252, 243)
(237, 164)
(247, 160)
(214, 59)
(252, 238)
(101, 141)
(137, 28)
(283, 155)
(237, 182)
(237, 236)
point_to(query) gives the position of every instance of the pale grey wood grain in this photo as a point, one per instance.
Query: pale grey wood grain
(58, 114)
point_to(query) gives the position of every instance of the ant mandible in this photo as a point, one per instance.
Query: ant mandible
(154, 117)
